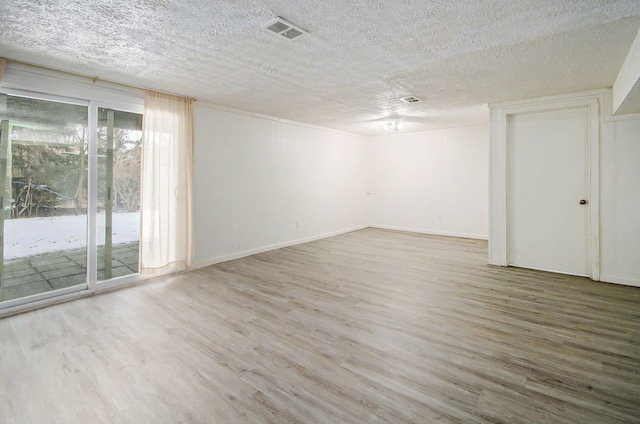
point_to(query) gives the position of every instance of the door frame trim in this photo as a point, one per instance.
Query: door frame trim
(499, 171)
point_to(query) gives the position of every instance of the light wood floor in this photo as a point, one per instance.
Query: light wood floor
(368, 327)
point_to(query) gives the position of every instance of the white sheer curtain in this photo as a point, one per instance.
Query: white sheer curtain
(166, 184)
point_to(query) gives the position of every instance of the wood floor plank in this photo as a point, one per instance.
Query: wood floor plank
(373, 326)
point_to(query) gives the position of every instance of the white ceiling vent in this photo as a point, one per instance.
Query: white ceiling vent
(285, 29)
(411, 99)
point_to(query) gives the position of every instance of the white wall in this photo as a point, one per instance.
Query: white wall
(432, 182)
(620, 201)
(256, 177)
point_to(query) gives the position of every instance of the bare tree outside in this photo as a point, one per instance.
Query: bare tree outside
(48, 178)
(127, 146)
(127, 185)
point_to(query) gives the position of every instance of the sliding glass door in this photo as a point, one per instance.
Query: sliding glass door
(58, 172)
(43, 178)
(118, 220)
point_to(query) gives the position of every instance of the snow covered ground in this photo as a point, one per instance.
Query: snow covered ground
(34, 236)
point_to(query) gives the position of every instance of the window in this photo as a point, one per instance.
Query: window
(70, 185)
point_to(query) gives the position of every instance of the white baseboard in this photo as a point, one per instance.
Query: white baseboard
(249, 252)
(492, 261)
(635, 282)
(432, 232)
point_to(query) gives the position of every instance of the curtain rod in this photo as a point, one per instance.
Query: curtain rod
(93, 79)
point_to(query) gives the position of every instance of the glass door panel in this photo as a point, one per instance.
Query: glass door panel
(43, 185)
(118, 219)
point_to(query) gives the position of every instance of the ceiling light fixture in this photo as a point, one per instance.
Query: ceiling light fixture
(395, 125)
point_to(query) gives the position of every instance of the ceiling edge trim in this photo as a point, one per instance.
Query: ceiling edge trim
(257, 115)
(434, 131)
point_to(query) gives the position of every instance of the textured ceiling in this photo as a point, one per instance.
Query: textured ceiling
(360, 57)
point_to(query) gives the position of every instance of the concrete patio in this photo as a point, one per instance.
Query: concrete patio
(57, 270)
(35, 263)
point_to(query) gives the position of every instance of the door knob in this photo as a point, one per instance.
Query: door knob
(583, 202)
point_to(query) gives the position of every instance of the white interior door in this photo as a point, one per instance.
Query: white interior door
(548, 156)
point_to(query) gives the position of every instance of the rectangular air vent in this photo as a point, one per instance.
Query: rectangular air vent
(284, 29)
(411, 99)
